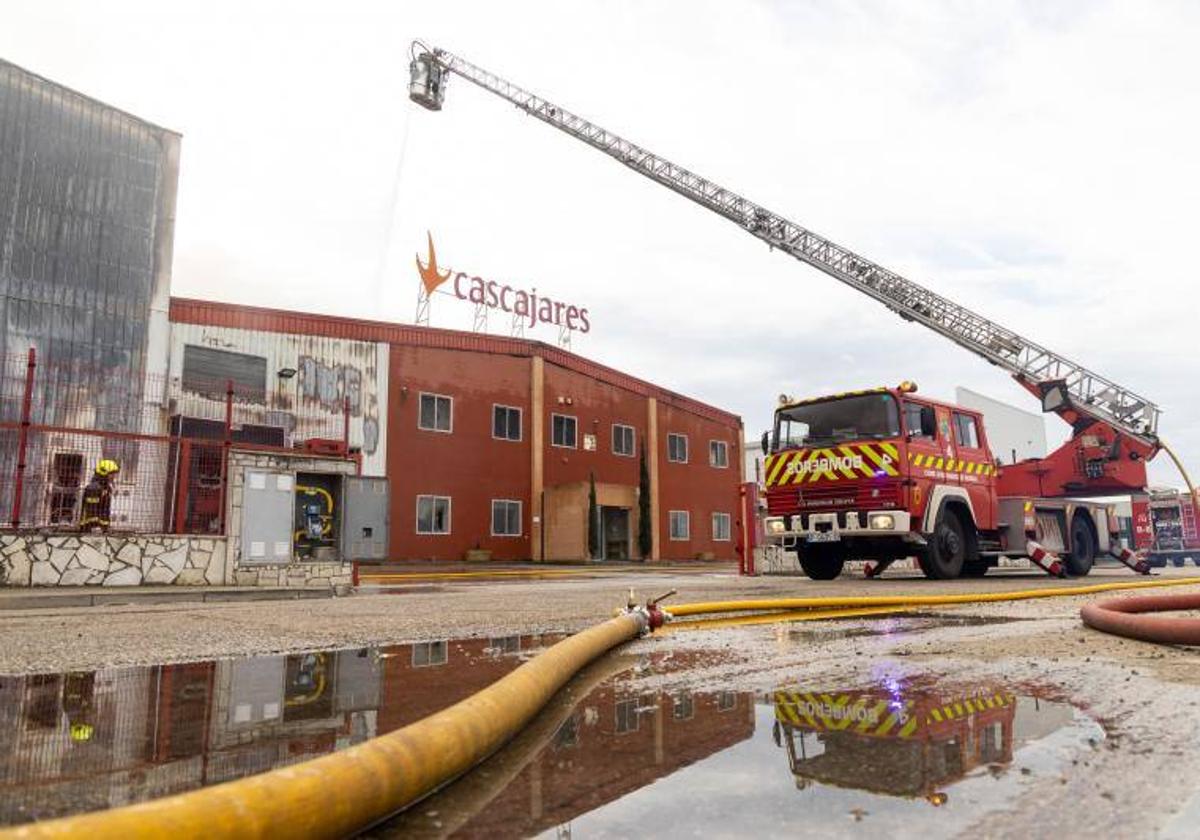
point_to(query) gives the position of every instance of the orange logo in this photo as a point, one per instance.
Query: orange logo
(430, 275)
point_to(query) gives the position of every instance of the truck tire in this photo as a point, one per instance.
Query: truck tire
(946, 553)
(1083, 547)
(822, 562)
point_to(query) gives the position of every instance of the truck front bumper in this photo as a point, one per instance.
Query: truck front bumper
(816, 528)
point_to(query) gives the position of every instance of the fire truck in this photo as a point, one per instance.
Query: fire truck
(884, 474)
(1173, 534)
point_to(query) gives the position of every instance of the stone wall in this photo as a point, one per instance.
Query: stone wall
(36, 559)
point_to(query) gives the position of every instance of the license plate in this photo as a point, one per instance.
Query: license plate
(824, 536)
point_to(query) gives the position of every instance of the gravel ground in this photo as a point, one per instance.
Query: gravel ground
(93, 637)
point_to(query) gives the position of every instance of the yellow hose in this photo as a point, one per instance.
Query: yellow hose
(1192, 497)
(345, 792)
(707, 608)
(778, 617)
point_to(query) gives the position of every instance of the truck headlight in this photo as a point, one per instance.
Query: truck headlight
(882, 522)
(775, 526)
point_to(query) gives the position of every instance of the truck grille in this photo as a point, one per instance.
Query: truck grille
(872, 495)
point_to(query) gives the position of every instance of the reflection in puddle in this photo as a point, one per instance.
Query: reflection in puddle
(607, 757)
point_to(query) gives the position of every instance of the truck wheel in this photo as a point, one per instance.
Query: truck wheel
(822, 562)
(975, 569)
(1083, 547)
(947, 550)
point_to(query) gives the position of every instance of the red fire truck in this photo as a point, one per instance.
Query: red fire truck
(1173, 533)
(886, 473)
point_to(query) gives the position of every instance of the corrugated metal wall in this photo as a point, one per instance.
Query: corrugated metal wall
(86, 197)
(310, 402)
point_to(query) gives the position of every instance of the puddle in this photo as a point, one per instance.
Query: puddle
(606, 758)
(895, 625)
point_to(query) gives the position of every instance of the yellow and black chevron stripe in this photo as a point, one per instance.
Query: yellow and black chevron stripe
(875, 716)
(835, 463)
(939, 462)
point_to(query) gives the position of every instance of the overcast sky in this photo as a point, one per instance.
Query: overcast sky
(1034, 161)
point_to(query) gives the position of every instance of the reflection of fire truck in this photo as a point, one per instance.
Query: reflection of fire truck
(900, 744)
(1173, 528)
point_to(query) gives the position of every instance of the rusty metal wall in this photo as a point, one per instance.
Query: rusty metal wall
(309, 404)
(87, 198)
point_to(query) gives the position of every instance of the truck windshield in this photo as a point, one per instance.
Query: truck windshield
(837, 420)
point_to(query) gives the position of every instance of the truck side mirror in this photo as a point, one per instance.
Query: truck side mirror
(928, 422)
(766, 442)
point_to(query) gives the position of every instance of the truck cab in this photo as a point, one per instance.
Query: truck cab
(879, 474)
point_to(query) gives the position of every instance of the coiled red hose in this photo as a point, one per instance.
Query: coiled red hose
(1134, 618)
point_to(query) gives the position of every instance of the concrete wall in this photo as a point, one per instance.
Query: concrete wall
(1009, 429)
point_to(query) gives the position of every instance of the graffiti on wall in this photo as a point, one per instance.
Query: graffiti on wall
(330, 385)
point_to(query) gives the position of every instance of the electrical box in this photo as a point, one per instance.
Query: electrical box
(364, 518)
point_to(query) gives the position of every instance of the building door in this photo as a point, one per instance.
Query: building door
(614, 533)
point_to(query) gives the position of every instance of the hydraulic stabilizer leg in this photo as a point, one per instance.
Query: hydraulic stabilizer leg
(1045, 560)
(1134, 560)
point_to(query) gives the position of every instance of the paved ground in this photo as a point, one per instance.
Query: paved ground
(58, 638)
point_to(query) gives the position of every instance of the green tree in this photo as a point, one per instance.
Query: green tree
(593, 533)
(645, 538)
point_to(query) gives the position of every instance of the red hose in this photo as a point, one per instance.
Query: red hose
(1127, 617)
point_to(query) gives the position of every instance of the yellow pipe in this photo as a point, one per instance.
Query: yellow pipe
(708, 608)
(1192, 497)
(343, 793)
(779, 617)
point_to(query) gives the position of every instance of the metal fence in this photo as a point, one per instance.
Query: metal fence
(58, 420)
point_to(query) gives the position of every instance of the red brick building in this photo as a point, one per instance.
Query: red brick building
(492, 443)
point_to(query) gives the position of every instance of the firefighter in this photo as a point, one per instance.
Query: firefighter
(97, 497)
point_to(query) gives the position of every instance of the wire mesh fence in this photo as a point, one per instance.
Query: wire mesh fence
(58, 420)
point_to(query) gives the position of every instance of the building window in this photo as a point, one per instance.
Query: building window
(684, 707)
(433, 514)
(726, 700)
(505, 644)
(677, 448)
(506, 518)
(965, 431)
(622, 441)
(562, 430)
(627, 716)
(428, 654)
(718, 453)
(680, 525)
(437, 413)
(720, 525)
(209, 372)
(568, 734)
(506, 422)
(66, 477)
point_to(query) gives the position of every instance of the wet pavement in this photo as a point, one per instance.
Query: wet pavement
(610, 756)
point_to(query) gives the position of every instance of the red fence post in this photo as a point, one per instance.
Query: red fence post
(23, 437)
(226, 446)
(345, 426)
(183, 480)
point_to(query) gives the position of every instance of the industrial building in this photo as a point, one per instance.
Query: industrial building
(490, 444)
(264, 447)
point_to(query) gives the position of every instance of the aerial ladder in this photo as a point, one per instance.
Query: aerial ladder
(1114, 430)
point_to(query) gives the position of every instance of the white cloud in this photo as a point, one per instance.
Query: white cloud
(1035, 163)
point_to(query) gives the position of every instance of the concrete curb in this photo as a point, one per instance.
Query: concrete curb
(50, 600)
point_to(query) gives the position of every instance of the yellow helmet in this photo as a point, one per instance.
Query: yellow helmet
(107, 467)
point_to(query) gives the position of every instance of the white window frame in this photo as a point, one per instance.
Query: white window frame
(575, 420)
(724, 446)
(728, 526)
(634, 717)
(686, 447)
(520, 422)
(687, 521)
(632, 436)
(440, 644)
(520, 519)
(420, 397)
(449, 515)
